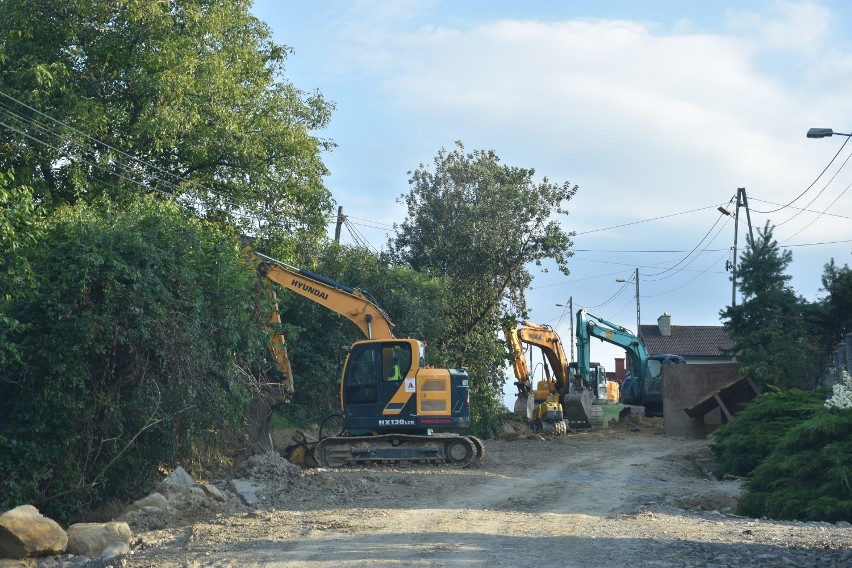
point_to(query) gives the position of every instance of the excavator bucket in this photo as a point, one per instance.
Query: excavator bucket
(524, 405)
(577, 409)
(258, 415)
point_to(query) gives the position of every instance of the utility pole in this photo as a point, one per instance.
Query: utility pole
(571, 318)
(638, 318)
(742, 201)
(638, 313)
(340, 218)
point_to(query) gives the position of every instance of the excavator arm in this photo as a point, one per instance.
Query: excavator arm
(644, 386)
(610, 333)
(519, 362)
(351, 303)
(546, 339)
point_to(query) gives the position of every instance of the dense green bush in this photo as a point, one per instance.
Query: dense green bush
(796, 455)
(742, 444)
(808, 474)
(137, 345)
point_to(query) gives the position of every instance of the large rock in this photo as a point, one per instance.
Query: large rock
(155, 501)
(25, 533)
(179, 477)
(92, 539)
(212, 491)
(246, 490)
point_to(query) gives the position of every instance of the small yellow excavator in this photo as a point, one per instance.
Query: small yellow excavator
(565, 398)
(545, 406)
(391, 401)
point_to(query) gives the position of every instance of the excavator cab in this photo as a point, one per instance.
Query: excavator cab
(385, 389)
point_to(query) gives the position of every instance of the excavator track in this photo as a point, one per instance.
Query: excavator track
(445, 449)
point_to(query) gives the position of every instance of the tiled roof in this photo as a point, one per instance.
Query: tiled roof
(687, 340)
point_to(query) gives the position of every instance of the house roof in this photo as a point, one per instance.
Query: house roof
(687, 340)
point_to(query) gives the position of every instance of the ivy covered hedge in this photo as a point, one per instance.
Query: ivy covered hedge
(135, 346)
(796, 455)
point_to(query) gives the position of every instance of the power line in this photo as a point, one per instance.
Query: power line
(693, 259)
(807, 189)
(697, 245)
(367, 225)
(817, 196)
(812, 221)
(389, 225)
(47, 130)
(646, 220)
(608, 300)
(804, 209)
(360, 239)
(697, 276)
(121, 163)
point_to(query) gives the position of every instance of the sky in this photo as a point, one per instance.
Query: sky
(657, 110)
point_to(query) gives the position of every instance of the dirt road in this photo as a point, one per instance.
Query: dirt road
(624, 496)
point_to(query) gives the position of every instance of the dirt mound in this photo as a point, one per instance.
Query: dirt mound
(268, 468)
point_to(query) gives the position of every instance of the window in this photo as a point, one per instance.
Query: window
(396, 361)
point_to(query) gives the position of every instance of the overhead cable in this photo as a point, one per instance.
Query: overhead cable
(807, 189)
(646, 220)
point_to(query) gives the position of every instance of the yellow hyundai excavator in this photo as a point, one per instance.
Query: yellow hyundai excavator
(390, 399)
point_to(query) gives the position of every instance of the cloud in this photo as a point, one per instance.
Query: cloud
(794, 26)
(590, 86)
(649, 120)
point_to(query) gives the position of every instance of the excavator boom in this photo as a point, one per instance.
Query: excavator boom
(352, 303)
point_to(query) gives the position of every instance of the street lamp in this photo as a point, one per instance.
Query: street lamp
(638, 319)
(823, 133)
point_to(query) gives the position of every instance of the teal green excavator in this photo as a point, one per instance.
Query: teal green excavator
(644, 385)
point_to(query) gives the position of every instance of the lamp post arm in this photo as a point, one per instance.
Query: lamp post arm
(824, 133)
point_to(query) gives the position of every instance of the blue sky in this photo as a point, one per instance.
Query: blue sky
(653, 109)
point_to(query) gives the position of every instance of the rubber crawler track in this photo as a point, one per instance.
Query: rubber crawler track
(443, 449)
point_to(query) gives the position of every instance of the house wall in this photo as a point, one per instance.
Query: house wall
(686, 385)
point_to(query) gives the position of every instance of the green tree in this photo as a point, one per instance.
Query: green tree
(808, 474)
(188, 98)
(837, 281)
(795, 453)
(745, 442)
(20, 226)
(136, 350)
(774, 331)
(480, 224)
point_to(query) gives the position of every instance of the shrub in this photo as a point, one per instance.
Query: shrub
(742, 444)
(808, 475)
(136, 345)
